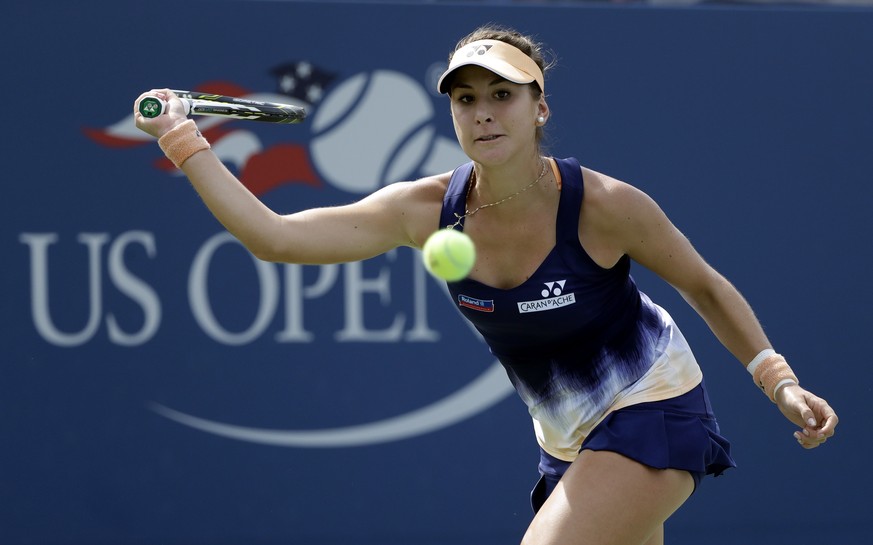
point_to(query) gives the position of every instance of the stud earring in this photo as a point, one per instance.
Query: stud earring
(541, 120)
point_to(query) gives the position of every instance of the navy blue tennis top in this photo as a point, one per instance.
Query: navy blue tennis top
(574, 337)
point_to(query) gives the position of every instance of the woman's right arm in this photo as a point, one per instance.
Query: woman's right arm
(401, 214)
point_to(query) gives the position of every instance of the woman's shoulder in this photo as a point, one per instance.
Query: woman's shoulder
(613, 217)
(425, 188)
(608, 199)
(415, 203)
(603, 189)
(428, 189)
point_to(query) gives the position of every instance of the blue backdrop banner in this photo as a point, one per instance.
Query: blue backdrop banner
(162, 386)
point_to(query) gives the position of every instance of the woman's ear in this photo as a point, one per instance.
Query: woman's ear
(542, 113)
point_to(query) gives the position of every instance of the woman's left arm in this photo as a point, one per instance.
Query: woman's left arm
(648, 237)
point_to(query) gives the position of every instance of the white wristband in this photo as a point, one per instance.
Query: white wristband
(762, 355)
(783, 382)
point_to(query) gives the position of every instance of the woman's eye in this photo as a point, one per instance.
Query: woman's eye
(502, 94)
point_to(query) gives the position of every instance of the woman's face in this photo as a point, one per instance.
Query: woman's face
(495, 119)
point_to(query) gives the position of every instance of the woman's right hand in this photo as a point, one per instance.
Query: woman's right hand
(160, 125)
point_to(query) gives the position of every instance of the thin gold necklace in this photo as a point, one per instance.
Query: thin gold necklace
(468, 213)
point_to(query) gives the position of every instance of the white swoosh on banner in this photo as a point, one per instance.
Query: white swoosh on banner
(486, 390)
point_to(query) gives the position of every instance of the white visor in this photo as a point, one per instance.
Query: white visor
(499, 57)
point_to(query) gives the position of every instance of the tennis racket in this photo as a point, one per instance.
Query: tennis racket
(225, 106)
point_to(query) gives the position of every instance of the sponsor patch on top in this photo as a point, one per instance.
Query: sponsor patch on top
(481, 305)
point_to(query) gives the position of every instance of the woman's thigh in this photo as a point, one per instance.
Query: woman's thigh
(605, 498)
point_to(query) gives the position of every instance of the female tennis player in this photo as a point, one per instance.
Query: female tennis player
(618, 400)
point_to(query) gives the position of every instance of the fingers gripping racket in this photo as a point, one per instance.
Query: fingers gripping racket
(225, 106)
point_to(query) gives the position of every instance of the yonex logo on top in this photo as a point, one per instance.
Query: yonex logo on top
(552, 289)
(479, 50)
(558, 299)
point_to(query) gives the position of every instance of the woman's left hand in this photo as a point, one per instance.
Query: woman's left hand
(815, 417)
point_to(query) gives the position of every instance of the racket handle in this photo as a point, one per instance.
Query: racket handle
(152, 106)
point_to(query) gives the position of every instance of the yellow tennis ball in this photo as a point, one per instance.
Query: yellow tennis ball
(449, 254)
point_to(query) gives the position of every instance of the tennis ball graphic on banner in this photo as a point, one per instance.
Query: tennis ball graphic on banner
(449, 254)
(372, 129)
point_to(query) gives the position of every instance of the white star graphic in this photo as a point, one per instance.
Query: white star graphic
(313, 94)
(288, 84)
(304, 70)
